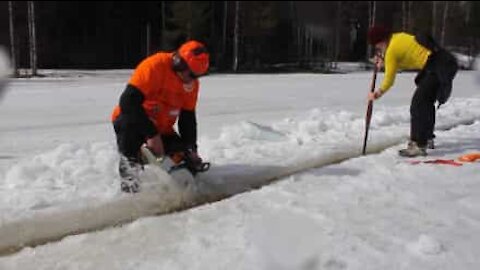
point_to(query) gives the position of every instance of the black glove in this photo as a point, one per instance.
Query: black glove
(195, 162)
(193, 157)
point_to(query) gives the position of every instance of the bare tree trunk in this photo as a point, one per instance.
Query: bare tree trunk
(12, 39)
(224, 30)
(468, 11)
(310, 46)
(471, 38)
(212, 35)
(410, 19)
(189, 26)
(299, 44)
(164, 30)
(306, 43)
(148, 30)
(312, 55)
(404, 15)
(372, 14)
(236, 33)
(434, 19)
(295, 31)
(337, 33)
(444, 24)
(32, 37)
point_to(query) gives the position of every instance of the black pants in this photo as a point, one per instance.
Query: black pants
(422, 108)
(130, 139)
(434, 83)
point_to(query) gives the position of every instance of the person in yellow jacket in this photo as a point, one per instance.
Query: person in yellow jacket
(437, 68)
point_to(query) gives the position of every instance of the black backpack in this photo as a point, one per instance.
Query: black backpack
(442, 63)
(427, 41)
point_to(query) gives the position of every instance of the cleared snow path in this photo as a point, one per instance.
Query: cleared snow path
(317, 149)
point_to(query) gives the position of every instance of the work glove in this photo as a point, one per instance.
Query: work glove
(194, 157)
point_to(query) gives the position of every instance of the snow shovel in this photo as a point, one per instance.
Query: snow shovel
(368, 116)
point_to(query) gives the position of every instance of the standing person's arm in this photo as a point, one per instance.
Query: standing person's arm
(391, 68)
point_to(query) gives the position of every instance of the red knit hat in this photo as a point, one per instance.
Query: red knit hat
(195, 56)
(378, 33)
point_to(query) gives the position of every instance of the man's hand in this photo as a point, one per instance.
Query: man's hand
(194, 158)
(378, 60)
(155, 144)
(195, 162)
(374, 95)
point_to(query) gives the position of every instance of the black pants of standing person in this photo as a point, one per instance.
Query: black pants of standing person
(422, 108)
(434, 83)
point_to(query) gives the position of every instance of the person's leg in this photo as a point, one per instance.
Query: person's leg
(430, 118)
(422, 110)
(422, 116)
(129, 141)
(431, 138)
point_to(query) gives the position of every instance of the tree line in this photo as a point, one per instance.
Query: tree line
(242, 36)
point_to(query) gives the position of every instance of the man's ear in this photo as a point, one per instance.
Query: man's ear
(177, 63)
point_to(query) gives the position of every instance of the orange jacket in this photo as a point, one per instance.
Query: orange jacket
(164, 92)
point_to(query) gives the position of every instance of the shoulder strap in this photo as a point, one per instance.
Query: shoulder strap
(427, 41)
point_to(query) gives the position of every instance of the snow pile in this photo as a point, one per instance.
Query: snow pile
(375, 212)
(323, 132)
(71, 172)
(66, 174)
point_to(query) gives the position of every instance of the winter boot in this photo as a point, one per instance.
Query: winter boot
(129, 169)
(413, 150)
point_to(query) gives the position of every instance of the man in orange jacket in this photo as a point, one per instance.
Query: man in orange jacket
(434, 81)
(163, 89)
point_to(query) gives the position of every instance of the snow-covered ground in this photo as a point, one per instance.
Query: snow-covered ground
(371, 212)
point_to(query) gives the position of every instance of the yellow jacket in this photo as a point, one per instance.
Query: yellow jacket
(403, 52)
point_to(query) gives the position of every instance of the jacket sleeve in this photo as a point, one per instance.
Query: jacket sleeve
(390, 70)
(187, 127)
(131, 102)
